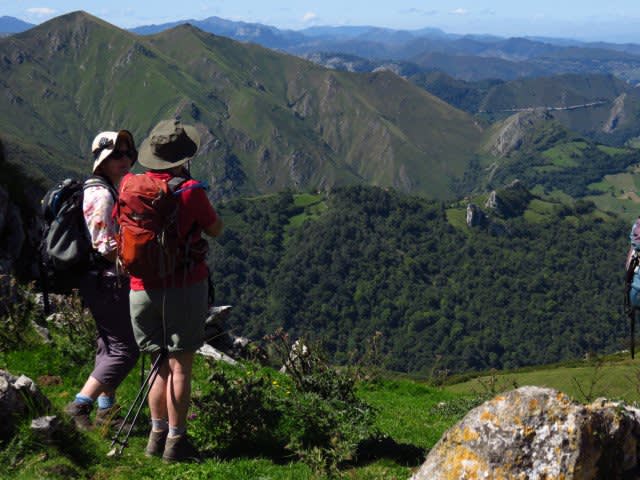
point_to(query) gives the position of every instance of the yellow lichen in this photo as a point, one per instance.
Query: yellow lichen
(468, 435)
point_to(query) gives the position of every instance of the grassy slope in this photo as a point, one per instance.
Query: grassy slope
(387, 139)
(289, 122)
(407, 414)
(413, 414)
(555, 91)
(616, 377)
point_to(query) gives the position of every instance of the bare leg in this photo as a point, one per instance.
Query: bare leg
(93, 388)
(158, 392)
(179, 388)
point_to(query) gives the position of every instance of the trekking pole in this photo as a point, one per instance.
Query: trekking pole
(141, 370)
(632, 320)
(118, 445)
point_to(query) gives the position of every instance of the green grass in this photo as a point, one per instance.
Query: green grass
(617, 378)
(412, 414)
(306, 199)
(613, 150)
(539, 211)
(314, 206)
(407, 410)
(457, 217)
(618, 194)
(565, 155)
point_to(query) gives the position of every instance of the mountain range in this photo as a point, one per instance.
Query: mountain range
(468, 57)
(268, 120)
(271, 120)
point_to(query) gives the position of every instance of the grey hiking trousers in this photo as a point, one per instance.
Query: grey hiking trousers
(108, 302)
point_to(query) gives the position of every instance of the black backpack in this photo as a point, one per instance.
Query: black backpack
(66, 252)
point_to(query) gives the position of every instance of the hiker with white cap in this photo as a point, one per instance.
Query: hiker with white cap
(103, 289)
(162, 214)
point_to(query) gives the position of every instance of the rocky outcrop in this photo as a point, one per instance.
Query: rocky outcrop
(509, 201)
(12, 232)
(538, 433)
(19, 398)
(475, 216)
(512, 132)
(616, 115)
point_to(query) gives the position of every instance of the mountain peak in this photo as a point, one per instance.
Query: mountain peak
(13, 25)
(73, 21)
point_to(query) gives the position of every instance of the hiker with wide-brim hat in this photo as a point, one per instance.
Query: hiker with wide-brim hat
(168, 313)
(104, 291)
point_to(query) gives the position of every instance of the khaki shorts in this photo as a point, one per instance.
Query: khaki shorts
(184, 310)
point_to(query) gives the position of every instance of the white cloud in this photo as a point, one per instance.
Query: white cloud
(309, 17)
(419, 11)
(460, 11)
(41, 11)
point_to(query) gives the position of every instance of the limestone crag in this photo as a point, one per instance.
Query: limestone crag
(616, 115)
(475, 216)
(537, 433)
(512, 132)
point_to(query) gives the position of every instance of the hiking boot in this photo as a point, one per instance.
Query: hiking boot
(156, 443)
(79, 412)
(180, 449)
(109, 417)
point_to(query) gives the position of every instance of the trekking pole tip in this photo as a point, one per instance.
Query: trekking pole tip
(113, 452)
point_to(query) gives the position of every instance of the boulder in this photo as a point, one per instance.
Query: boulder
(19, 398)
(45, 428)
(538, 433)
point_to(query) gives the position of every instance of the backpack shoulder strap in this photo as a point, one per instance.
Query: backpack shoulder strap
(98, 181)
(175, 182)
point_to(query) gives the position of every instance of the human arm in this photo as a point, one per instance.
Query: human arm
(203, 212)
(634, 237)
(97, 206)
(215, 228)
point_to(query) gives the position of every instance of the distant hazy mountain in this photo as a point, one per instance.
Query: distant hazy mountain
(9, 25)
(468, 57)
(264, 35)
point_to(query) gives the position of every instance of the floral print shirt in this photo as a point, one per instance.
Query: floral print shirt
(97, 206)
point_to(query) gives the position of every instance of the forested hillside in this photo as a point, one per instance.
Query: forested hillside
(364, 260)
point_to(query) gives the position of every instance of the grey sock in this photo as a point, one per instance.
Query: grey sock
(175, 431)
(159, 424)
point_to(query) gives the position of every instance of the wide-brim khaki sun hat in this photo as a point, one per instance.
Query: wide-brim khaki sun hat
(105, 143)
(170, 144)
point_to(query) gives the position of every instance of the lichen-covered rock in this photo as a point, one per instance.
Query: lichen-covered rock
(535, 433)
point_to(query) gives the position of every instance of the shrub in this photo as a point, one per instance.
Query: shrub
(18, 310)
(72, 329)
(311, 412)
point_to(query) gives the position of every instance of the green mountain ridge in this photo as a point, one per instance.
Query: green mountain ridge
(269, 121)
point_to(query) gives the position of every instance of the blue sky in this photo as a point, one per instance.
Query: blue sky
(613, 21)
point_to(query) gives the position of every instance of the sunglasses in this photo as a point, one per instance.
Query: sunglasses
(118, 154)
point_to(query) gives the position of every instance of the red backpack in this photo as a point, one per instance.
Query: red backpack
(147, 213)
